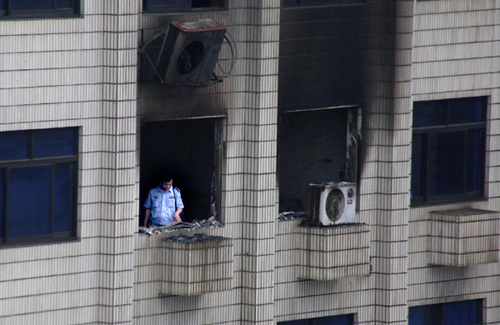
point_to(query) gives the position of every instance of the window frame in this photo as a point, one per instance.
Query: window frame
(217, 161)
(343, 319)
(318, 3)
(351, 117)
(52, 161)
(173, 9)
(433, 131)
(42, 13)
(442, 308)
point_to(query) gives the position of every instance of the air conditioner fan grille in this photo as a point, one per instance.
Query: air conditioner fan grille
(335, 204)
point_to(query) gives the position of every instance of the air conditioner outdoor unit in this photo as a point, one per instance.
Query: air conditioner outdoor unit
(332, 203)
(190, 52)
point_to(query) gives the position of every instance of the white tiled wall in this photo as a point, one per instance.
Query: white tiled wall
(83, 72)
(59, 73)
(456, 54)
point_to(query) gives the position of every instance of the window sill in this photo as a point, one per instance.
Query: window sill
(39, 243)
(185, 12)
(353, 3)
(447, 202)
(40, 17)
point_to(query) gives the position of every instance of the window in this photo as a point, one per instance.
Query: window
(192, 151)
(38, 185)
(39, 8)
(299, 3)
(330, 320)
(182, 5)
(448, 150)
(467, 312)
(301, 163)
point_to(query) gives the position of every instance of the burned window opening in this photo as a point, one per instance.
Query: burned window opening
(316, 3)
(171, 6)
(192, 151)
(352, 147)
(315, 146)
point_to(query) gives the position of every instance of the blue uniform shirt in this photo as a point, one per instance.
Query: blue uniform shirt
(162, 205)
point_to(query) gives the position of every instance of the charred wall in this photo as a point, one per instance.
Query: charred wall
(321, 56)
(158, 101)
(312, 149)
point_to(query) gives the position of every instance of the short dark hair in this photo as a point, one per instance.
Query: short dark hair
(167, 177)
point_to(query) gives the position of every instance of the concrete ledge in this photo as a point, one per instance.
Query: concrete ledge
(330, 253)
(463, 237)
(195, 268)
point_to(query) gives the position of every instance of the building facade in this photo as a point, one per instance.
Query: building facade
(398, 98)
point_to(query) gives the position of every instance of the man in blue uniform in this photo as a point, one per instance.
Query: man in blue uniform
(164, 203)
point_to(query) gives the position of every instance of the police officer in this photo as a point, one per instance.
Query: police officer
(164, 203)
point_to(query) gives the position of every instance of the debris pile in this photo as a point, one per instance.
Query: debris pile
(291, 215)
(209, 223)
(196, 238)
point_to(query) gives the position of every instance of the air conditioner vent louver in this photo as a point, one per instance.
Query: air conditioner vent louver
(332, 203)
(313, 204)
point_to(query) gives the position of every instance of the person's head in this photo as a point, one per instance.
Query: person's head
(167, 181)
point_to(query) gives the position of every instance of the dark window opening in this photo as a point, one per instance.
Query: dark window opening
(38, 181)
(182, 5)
(314, 147)
(467, 312)
(191, 150)
(305, 3)
(39, 8)
(448, 150)
(329, 320)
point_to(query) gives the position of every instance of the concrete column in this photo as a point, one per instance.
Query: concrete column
(386, 171)
(118, 127)
(259, 54)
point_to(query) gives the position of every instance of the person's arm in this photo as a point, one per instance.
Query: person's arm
(177, 215)
(179, 205)
(146, 217)
(147, 213)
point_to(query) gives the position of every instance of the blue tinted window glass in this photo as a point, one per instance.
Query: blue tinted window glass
(54, 143)
(14, 145)
(425, 315)
(65, 4)
(417, 165)
(29, 208)
(431, 113)
(62, 195)
(330, 320)
(467, 110)
(446, 163)
(2, 202)
(201, 3)
(170, 3)
(3, 5)
(462, 313)
(475, 142)
(333, 320)
(32, 4)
